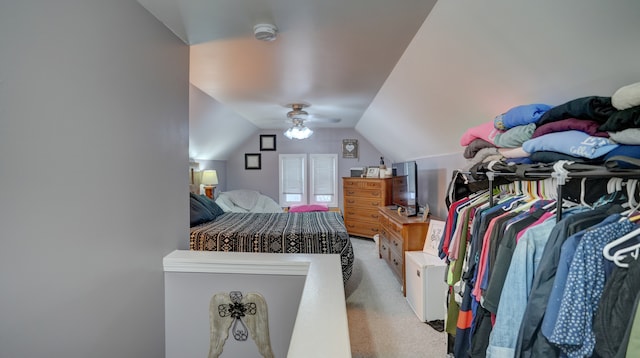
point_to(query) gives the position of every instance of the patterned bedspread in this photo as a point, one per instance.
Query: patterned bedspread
(289, 233)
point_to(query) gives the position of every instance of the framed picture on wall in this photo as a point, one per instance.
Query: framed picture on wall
(350, 148)
(267, 142)
(252, 161)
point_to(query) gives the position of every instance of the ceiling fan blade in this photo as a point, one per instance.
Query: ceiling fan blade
(316, 118)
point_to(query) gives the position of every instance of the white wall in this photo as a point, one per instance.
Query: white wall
(189, 294)
(216, 129)
(93, 176)
(323, 141)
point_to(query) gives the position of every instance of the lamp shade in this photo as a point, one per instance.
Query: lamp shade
(209, 177)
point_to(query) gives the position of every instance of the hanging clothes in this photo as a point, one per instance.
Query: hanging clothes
(531, 343)
(614, 317)
(518, 280)
(585, 283)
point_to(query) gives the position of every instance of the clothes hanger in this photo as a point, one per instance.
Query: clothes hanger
(582, 193)
(550, 205)
(606, 251)
(632, 215)
(621, 254)
(633, 205)
(632, 184)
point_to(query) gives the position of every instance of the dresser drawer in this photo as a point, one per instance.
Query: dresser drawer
(360, 228)
(364, 214)
(396, 263)
(396, 244)
(362, 184)
(362, 193)
(394, 228)
(384, 248)
(364, 202)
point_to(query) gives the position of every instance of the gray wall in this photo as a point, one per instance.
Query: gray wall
(93, 194)
(323, 141)
(434, 175)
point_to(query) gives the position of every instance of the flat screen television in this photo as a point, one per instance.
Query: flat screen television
(405, 186)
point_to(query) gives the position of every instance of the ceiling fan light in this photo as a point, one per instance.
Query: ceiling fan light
(305, 132)
(298, 131)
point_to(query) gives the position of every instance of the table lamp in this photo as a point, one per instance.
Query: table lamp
(209, 180)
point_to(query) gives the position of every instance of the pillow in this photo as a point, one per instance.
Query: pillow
(209, 204)
(199, 213)
(244, 198)
(627, 96)
(223, 203)
(307, 208)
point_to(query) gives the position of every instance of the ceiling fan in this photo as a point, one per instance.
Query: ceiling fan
(297, 112)
(298, 116)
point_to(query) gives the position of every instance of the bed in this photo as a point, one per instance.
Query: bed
(274, 232)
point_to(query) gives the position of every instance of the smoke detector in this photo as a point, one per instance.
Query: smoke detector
(265, 32)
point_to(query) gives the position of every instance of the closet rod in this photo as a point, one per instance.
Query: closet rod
(562, 179)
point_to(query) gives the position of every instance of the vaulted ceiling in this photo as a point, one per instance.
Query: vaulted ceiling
(409, 75)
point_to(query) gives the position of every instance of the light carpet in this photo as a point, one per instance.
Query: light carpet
(381, 322)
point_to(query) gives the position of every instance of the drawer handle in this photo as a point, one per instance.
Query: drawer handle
(375, 216)
(374, 229)
(351, 201)
(351, 192)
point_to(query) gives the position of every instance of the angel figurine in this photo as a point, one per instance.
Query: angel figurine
(247, 315)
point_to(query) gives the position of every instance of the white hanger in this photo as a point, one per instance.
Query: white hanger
(620, 255)
(583, 189)
(606, 252)
(631, 191)
(551, 188)
(631, 201)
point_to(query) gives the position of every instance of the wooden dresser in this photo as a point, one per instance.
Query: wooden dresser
(397, 235)
(362, 198)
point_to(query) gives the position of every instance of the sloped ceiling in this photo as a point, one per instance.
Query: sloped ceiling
(331, 54)
(469, 61)
(472, 60)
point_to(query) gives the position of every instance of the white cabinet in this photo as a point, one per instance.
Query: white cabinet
(426, 288)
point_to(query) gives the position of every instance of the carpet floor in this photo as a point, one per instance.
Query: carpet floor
(381, 322)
